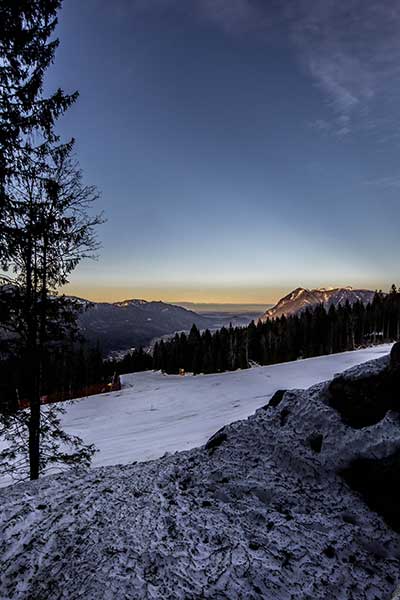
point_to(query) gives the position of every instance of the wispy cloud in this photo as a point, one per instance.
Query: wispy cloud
(235, 15)
(339, 125)
(352, 51)
(349, 49)
(385, 182)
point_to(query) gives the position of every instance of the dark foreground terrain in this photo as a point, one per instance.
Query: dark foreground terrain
(273, 507)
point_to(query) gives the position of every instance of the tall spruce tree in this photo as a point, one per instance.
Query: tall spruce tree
(44, 214)
(26, 51)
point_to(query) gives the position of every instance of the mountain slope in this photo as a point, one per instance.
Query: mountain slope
(259, 512)
(123, 325)
(302, 298)
(131, 323)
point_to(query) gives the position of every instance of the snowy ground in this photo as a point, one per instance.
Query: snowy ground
(154, 413)
(260, 516)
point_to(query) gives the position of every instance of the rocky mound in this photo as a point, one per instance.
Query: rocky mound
(265, 510)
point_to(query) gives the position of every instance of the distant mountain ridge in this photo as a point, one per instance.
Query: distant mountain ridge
(122, 325)
(302, 298)
(134, 322)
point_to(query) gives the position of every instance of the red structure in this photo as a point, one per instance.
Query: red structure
(88, 390)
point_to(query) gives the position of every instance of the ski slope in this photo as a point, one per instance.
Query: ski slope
(259, 516)
(154, 413)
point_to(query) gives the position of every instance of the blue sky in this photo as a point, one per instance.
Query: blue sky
(241, 148)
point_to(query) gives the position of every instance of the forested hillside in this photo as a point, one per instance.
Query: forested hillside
(313, 332)
(72, 369)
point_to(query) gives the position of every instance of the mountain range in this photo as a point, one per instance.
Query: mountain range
(302, 298)
(123, 325)
(120, 326)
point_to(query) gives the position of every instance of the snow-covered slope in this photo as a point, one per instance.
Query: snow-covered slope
(156, 413)
(257, 514)
(302, 298)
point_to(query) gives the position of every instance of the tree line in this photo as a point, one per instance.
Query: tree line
(68, 372)
(312, 332)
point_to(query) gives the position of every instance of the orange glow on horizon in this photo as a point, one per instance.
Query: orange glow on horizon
(177, 295)
(197, 294)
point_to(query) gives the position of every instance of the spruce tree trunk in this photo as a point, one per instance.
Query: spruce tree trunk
(34, 402)
(32, 363)
(37, 370)
(34, 438)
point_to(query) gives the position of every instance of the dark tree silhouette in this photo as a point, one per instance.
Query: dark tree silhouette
(45, 224)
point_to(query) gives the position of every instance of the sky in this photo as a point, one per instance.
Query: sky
(242, 148)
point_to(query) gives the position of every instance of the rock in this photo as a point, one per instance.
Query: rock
(330, 551)
(362, 402)
(284, 416)
(395, 356)
(315, 442)
(276, 398)
(378, 481)
(216, 440)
